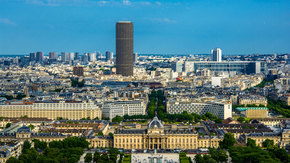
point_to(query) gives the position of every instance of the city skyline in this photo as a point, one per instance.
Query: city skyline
(161, 27)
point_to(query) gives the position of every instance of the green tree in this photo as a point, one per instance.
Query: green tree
(117, 119)
(28, 155)
(209, 115)
(31, 126)
(19, 96)
(113, 154)
(210, 160)
(268, 143)
(105, 157)
(218, 155)
(8, 125)
(228, 141)
(111, 134)
(26, 145)
(251, 142)
(241, 119)
(280, 153)
(251, 155)
(100, 133)
(88, 158)
(97, 157)
(42, 145)
(198, 158)
(13, 160)
(56, 144)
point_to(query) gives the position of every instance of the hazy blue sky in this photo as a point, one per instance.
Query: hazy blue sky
(164, 26)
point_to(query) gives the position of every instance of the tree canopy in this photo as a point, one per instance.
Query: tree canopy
(68, 150)
(117, 119)
(228, 141)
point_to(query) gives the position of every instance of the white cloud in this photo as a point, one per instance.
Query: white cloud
(158, 3)
(92, 2)
(44, 2)
(102, 2)
(7, 21)
(126, 2)
(145, 3)
(161, 20)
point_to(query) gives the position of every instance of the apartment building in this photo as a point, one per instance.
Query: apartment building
(73, 110)
(121, 108)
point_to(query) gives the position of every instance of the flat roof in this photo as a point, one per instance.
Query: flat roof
(251, 108)
(124, 22)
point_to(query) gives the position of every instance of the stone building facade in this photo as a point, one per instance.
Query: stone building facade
(157, 137)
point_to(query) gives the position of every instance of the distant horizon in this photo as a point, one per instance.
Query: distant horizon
(160, 27)
(172, 54)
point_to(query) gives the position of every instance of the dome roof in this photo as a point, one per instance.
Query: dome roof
(155, 123)
(24, 129)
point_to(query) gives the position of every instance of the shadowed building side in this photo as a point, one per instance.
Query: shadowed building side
(124, 48)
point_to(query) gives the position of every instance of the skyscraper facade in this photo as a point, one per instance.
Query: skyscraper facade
(217, 55)
(64, 56)
(99, 55)
(53, 55)
(109, 55)
(71, 56)
(77, 56)
(135, 57)
(39, 56)
(124, 48)
(92, 57)
(32, 56)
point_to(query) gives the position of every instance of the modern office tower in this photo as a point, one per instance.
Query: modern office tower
(53, 55)
(99, 55)
(85, 58)
(109, 55)
(64, 57)
(217, 55)
(92, 57)
(77, 56)
(124, 48)
(71, 56)
(39, 56)
(32, 56)
(177, 66)
(78, 71)
(135, 57)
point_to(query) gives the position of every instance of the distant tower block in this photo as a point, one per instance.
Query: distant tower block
(124, 48)
(217, 55)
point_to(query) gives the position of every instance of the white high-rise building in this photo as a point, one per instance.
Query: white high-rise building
(64, 56)
(92, 57)
(71, 56)
(217, 54)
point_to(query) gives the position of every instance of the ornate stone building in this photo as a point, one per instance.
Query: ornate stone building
(157, 137)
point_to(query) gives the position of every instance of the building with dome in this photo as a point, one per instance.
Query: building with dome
(157, 136)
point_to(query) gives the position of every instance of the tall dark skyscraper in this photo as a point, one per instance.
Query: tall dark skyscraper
(39, 56)
(32, 56)
(109, 55)
(124, 48)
